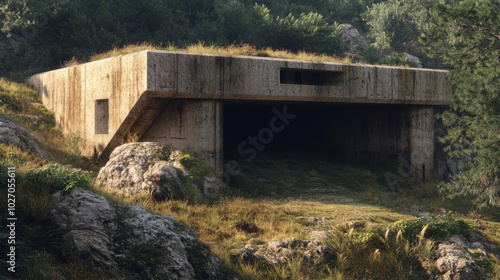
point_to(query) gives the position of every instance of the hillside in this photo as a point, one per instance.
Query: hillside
(286, 215)
(274, 198)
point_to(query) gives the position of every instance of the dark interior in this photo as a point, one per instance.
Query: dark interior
(344, 132)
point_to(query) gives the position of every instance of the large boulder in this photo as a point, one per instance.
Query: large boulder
(128, 242)
(355, 41)
(142, 169)
(14, 134)
(459, 258)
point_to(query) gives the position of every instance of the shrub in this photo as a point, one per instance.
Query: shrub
(59, 177)
(371, 55)
(439, 226)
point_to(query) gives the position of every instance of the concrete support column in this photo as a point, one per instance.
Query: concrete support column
(421, 141)
(191, 124)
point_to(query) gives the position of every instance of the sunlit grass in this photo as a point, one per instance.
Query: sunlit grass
(22, 103)
(230, 50)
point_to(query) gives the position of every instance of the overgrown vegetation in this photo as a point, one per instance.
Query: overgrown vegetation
(42, 35)
(31, 28)
(467, 37)
(274, 194)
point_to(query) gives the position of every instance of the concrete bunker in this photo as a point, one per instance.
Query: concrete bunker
(355, 112)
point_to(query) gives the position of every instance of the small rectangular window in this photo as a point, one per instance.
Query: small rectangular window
(101, 116)
(310, 77)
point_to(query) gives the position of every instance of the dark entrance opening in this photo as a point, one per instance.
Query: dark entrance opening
(341, 132)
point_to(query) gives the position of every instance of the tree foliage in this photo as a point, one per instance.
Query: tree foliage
(467, 37)
(397, 24)
(309, 32)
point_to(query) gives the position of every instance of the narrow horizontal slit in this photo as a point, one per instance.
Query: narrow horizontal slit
(310, 77)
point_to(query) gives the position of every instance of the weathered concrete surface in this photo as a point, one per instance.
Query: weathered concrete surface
(181, 75)
(176, 98)
(422, 141)
(193, 124)
(71, 94)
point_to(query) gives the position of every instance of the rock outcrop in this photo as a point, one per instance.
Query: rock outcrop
(458, 257)
(413, 60)
(350, 35)
(14, 134)
(277, 251)
(129, 242)
(143, 169)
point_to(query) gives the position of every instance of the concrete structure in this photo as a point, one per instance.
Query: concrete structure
(178, 99)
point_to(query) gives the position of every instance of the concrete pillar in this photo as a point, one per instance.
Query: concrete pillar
(421, 141)
(191, 124)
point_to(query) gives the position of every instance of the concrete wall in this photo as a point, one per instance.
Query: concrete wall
(422, 141)
(191, 124)
(71, 94)
(181, 75)
(102, 101)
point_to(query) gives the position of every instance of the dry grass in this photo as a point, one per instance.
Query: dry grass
(231, 50)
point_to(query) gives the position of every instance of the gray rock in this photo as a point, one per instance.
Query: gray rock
(127, 240)
(415, 208)
(456, 262)
(93, 247)
(446, 166)
(312, 219)
(279, 251)
(415, 61)
(14, 134)
(144, 169)
(355, 40)
(319, 235)
(425, 216)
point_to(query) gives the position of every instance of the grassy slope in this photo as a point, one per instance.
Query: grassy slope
(277, 195)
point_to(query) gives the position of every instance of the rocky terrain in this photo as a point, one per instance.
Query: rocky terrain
(126, 240)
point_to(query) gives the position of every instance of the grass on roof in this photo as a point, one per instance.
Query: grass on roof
(239, 49)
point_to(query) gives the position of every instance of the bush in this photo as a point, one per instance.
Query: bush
(56, 177)
(371, 55)
(439, 226)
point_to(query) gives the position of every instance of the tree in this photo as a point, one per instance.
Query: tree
(397, 24)
(309, 32)
(467, 37)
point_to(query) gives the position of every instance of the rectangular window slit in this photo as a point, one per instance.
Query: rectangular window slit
(101, 116)
(310, 77)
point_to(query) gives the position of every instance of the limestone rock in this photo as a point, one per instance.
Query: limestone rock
(278, 251)
(456, 261)
(415, 61)
(14, 134)
(447, 167)
(312, 219)
(319, 235)
(355, 40)
(142, 169)
(126, 240)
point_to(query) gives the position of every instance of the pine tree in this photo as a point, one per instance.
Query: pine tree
(467, 38)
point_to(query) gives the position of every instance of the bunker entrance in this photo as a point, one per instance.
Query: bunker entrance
(340, 132)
